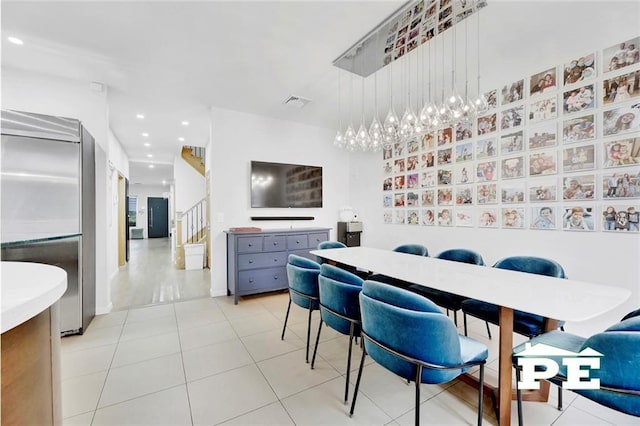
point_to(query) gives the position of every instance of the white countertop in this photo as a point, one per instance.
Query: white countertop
(28, 289)
(569, 300)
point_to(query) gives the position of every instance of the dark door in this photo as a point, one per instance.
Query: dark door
(126, 215)
(158, 217)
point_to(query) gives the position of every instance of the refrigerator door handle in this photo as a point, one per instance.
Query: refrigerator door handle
(151, 225)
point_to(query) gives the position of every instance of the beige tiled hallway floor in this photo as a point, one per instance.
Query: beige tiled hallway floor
(208, 362)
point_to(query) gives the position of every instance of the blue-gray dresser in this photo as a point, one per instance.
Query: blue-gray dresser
(257, 261)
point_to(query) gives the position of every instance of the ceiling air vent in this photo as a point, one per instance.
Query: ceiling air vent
(296, 101)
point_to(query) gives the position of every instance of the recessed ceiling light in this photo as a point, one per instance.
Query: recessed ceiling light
(151, 166)
(181, 139)
(140, 116)
(164, 182)
(147, 144)
(149, 155)
(15, 40)
(145, 134)
(185, 123)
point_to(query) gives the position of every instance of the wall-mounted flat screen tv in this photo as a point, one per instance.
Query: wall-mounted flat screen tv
(285, 185)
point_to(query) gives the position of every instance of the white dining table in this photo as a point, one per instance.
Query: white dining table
(552, 298)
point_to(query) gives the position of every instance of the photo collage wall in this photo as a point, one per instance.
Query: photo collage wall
(558, 150)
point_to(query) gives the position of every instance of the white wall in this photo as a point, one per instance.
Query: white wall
(606, 258)
(44, 94)
(238, 138)
(189, 185)
(142, 192)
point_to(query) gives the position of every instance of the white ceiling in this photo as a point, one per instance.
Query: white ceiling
(172, 61)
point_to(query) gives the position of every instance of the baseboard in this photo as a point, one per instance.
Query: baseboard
(104, 310)
(217, 293)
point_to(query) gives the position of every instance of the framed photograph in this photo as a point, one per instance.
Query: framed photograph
(399, 165)
(543, 190)
(487, 124)
(445, 196)
(413, 217)
(464, 195)
(621, 88)
(621, 120)
(543, 163)
(486, 148)
(542, 82)
(399, 182)
(621, 55)
(398, 149)
(413, 181)
(543, 136)
(463, 174)
(428, 141)
(623, 184)
(579, 187)
(621, 152)
(399, 199)
(445, 156)
(387, 184)
(412, 163)
(444, 136)
(621, 218)
(427, 160)
(511, 143)
(445, 218)
(387, 201)
(487, 171)
(512, 192)
(488, 218)
(428, 217)
(387, 152)
(487, 193)
(492, 98)
(579, 129)
(513, 217)
(428, 198)
(464, 216)
(464, 130)
(578, 218)
(428, 179)
(579, 69)
(512, 117)
(579, 158)
(445, 177)
(578, 99)
(543, 217)
(513, 92)
(412, 199)
(512, 168)
(413, 146)
(400, 217)
(464, 152)
(544, 109)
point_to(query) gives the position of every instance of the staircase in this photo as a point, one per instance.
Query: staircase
(192, 226)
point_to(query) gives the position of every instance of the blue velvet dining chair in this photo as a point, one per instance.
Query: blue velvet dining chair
(302, 274)
(619, 365)
(415, 249)
(328, 245)
(524, 323)
(447, 300)
(339, 309)
(409, 335)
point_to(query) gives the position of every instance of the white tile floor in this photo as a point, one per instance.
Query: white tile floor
(169, 355)
(208, 362)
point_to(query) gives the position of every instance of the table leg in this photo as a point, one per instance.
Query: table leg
(505, 366)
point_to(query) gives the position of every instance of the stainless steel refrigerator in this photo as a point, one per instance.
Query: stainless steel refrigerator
(48, 204)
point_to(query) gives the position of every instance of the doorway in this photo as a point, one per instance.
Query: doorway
(157, 217)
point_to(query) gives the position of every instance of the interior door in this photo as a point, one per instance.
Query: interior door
(157, 217)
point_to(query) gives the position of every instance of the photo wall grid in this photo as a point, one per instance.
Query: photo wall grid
(558, 150)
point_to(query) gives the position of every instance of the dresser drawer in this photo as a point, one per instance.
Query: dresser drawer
(275, 243)
(262, 279)
(262, 260)
(297, 242)
(317, 238)
(249, 244)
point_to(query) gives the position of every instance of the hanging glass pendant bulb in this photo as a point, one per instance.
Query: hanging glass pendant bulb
(363, 140)
(350, 138)
(445, 115)
(339, 140)
(407, 124)
(391, 123)
(375, 130)
(480, 102)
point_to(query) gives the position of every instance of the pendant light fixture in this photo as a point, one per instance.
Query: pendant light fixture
(391, 121)
(408, 122)
(339, 140)
(376, 130)
(350, 134)
(480, 102)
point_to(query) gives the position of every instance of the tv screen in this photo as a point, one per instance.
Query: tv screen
(285, 185)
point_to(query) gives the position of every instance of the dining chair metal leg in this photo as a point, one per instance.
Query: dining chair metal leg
(315, 349)
(464, 318)
(286, 318)
(346, 386)
(519, 397)
(559, 398)
(355, 391)
(481, 396)
(455, 318)
(308, 331)
(418, 380)
(488, 331)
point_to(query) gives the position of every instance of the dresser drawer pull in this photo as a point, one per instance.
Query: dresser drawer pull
(275, 260)
(275, 277)
(251, 261)
(250, 245)
(275, 244)
(251, 280)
